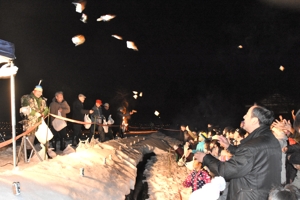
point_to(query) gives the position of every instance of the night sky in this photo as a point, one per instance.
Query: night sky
(188, 66)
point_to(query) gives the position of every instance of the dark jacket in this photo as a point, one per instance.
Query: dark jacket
(106, 113)
(78, 111)
(254, 168)
(55, 106)
(97, 114)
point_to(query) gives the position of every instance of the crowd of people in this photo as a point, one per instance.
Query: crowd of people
(258, 160)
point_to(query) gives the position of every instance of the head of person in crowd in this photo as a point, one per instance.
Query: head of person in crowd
(215, 148)
(202, 137)
(257, 116)
(81, 98)
(231, 133)
(98, 103)
(207, 146)
(288, 191)
(211, 133)
(106, 106)
(59, 96)
(209, 127)
(294, 158)
(226, 130)
(239, 134)
(38, 91)
(197, 165)
(182, 127)
(213, 142)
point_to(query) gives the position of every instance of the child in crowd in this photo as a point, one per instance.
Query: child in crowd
(201, 142)
(239, 134)
(215, 147)
(197, 178)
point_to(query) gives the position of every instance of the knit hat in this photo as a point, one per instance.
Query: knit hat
(99, 101)
(295, 158)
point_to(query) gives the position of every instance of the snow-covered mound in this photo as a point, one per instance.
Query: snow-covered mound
(109, 171)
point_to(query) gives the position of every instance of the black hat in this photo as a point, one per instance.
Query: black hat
(295, 158)
(7, 49)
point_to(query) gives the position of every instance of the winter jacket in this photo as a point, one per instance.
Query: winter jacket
(37, 105)
(78, 111)
(106, 113)
(196, 179)
(254, 167)
(97, 115)
(55, 106)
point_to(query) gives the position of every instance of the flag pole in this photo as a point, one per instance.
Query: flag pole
(13, 114)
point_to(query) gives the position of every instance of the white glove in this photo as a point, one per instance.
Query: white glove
(38, 114)
(25, 110)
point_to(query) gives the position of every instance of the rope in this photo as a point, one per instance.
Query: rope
(81, 122)
(7, 142)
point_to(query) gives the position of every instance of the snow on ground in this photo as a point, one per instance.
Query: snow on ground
(109, 171)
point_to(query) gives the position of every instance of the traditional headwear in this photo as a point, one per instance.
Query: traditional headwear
(39, 87)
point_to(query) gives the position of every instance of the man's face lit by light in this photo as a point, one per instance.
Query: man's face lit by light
(59, 98)
(81, 99)
(37, 93)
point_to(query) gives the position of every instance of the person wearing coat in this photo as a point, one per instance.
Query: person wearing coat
(255, 166)
(59, 105)
(97, 117)
(78, 114)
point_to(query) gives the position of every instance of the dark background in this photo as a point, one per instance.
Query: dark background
(188, 66)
